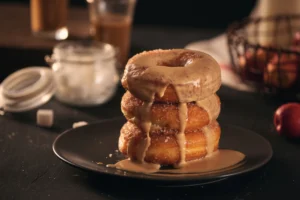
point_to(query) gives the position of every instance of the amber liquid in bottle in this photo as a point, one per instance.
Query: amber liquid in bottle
(48, 15)
(115, 30)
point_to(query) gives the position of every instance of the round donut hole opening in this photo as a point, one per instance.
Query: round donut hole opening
(175, 63)
(182, 60)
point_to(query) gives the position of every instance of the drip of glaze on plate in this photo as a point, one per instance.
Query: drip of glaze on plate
(145, 124)
(139, 164)
(210, 141)
(221, 160)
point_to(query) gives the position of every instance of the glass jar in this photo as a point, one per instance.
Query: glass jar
(85, 72)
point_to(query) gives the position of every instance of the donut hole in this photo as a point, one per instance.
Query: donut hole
(182, 60)
(170, 63)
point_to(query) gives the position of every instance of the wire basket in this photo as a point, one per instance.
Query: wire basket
(265, 53)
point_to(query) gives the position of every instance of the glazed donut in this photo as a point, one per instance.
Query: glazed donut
(164, 149)
(166, 116)
(176, 75)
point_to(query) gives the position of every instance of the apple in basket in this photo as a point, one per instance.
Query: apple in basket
(256, 60)
(296, 41)
(252, 61)
(253, 64)
(281, 72)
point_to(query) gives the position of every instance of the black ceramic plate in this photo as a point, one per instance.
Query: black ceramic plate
(93, 146)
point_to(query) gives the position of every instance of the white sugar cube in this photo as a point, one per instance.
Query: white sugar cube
(78, 124)
(45, 117)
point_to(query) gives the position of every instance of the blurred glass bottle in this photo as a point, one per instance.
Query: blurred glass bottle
(92, 15)
(49, 18)
(111, 22)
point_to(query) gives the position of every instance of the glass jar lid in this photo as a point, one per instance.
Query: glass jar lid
(83, 51)
(27, 89)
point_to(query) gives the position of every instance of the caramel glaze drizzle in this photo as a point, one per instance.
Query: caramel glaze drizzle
(145, 123)
(181, 141)
(210, 105)
(193, 75)
(198, 78)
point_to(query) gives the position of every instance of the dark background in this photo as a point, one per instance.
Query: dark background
(205, 16)
(190, 13)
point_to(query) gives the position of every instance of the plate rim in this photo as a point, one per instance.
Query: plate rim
(161, 179)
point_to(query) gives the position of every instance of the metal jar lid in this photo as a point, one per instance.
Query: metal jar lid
(27, 89)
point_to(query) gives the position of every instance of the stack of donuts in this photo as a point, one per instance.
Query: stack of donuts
(171, 107)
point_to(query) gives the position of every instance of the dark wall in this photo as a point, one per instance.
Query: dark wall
(195, 13)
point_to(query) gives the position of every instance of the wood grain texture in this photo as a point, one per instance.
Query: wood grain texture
(16, 31)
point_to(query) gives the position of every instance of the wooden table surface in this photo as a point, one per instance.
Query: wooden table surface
(16, 30)
(30, 170)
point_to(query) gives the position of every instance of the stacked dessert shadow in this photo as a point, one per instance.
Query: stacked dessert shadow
(171, 107)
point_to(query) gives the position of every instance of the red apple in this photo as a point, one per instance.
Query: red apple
(287, 120)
